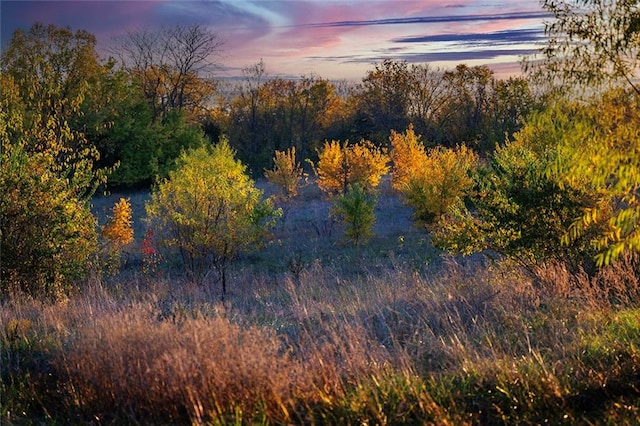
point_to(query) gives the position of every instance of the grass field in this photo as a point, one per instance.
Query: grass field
(315, 331)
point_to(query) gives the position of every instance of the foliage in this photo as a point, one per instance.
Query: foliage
(286, 173)
(408, 156)
(599, 151)
(150, 256)
(117, 233)
(48, 174)
(42, 105)
(47, 234)
(341, 164)
(384, 99)
(210, 210)
(590, 43)
(53, 69)
(518, 209)
(118, 229)
(356, 208)
(146, 150)
(431, 181)
(465, 105)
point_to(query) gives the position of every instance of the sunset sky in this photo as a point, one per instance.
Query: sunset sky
(335, 39)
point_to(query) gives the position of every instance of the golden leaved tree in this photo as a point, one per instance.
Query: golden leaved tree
(341, 164)
(286, 173)
(431, 181)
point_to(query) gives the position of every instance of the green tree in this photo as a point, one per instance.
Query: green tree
(517, 208)
(599, 151)
(355, 208)
(594, 45)
(210, 211)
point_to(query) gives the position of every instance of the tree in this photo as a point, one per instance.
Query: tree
(275, 114)
(210, 211)
(594, 47)
(53, 69)
(286, 173)
(431, 181)
(591, 43)
(384, 99)
(513, 101)
(408, 156)
(50, 71)
(355, 208)
(47, 232)
(470, 104)
(174, 65)
(341, 164)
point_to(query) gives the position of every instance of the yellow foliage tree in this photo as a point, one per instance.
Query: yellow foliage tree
(340, 165)
(430, 181)
(286, 173)
(408, 156)
(118, 230)
(210, 211)
(117, 233)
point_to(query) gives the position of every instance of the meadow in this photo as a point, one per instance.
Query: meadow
(317, 331)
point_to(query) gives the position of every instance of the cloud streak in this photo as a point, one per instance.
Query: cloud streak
(501, 37)
(434, 19)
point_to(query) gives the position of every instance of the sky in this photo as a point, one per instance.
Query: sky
(334, 39)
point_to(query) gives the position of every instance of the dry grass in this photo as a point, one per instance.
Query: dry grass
(379, 336)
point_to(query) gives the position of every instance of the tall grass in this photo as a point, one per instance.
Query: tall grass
(466, 345)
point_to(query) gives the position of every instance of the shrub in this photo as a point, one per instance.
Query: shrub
(117, 233)
(598, 153)
(408, 156)
(210, 210)
(518, 209)
(147, 149)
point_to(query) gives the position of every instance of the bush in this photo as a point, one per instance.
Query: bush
(48, 234)
(598, 153)
(518, 209)
(147, 150)
(408, 156)
(286, 173)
